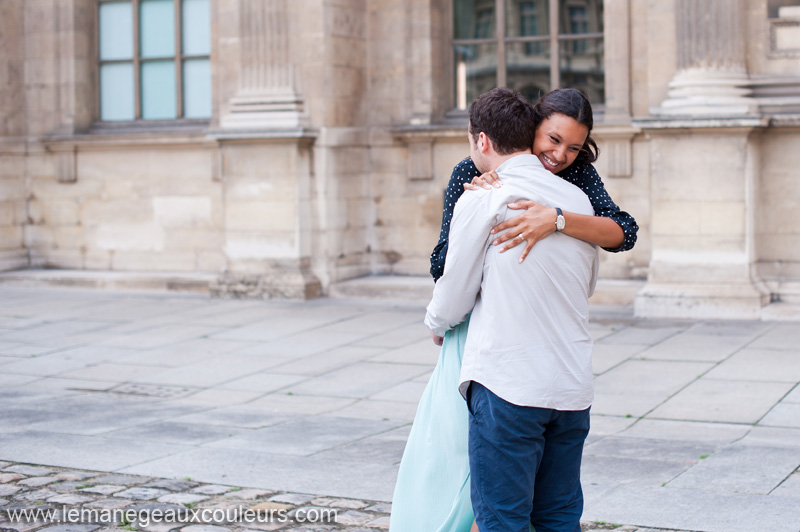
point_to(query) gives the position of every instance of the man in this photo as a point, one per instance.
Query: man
(526, 371)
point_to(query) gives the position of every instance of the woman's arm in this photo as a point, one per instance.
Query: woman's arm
(610, 228)
(463, 172)
(539, 221)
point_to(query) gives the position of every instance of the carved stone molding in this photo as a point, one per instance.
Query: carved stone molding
(66, 155)
(712, 75)
(617, 148)
(267, 97)
(420, 159)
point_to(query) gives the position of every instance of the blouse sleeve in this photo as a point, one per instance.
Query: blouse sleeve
(586, 178)
(463, 172)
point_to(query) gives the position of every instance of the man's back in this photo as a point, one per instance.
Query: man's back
(528, 340)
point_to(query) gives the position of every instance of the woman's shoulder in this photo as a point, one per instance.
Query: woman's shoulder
(466, 167)
(463, 172)
(580, 173)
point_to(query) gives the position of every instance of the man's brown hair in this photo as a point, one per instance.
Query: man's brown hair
(506, 117)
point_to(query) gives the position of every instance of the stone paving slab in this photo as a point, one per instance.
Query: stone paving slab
(80, 451)
(726, 401)
(664, 507)
(741, 469)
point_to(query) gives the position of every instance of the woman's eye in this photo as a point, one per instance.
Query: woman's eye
(554, 139)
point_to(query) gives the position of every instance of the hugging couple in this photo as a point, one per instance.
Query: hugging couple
(498, 436)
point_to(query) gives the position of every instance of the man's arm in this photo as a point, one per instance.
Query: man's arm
(457, 290)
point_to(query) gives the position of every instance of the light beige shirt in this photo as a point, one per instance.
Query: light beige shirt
(528, 339)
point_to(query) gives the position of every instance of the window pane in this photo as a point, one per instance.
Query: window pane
(196, 27)
(580, 16)
(473, 19)
(116, 31)
(527, 18)
(116, 92)
(156, 28)
(583, 68)
(528, 67)
(476, 71)
(197, 88)
(158, 90)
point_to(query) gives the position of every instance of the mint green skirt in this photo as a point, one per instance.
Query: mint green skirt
(432, 491)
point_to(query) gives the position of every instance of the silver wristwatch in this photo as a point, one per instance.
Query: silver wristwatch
(559, 220)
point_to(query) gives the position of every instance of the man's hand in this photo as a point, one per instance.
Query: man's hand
(438, 340)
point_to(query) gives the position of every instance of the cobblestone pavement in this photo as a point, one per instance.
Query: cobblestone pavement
(52, 499)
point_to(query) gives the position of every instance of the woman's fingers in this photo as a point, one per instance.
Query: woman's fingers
(511, 222)
(487, 181)
(524, 204)
(528, 248)
(492, 178)
(512, 243)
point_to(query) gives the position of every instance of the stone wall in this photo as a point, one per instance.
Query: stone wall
(13, 209)
(138, 208)
(777, 228)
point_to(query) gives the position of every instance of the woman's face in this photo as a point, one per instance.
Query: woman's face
(558, 141)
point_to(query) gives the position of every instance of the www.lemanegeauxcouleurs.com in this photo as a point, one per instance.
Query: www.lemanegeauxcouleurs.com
(144, 518)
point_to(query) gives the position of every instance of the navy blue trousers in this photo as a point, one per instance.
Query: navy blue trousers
(525, 464)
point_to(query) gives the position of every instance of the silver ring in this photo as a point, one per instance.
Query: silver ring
(521, 237)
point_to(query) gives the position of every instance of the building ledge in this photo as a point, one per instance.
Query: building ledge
(197, 283)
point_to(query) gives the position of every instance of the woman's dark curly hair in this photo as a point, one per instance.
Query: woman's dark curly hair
(574, 104)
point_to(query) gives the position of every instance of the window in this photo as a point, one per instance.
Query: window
(529, 26)
(522, 53)
(154, 59)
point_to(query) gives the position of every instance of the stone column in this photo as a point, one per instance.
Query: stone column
(712, 75)
(704, 166)
(616, 132)
(267, 97)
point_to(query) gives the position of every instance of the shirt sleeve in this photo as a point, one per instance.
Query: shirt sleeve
(463, 172)
(457, 290)
(586, 178)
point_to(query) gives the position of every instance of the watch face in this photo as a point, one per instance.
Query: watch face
(560, 223)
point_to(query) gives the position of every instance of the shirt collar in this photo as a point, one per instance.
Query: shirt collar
(525, 159)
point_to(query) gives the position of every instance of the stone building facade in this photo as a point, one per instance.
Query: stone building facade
(333, 125)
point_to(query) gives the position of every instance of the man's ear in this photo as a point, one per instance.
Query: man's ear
(484, 143)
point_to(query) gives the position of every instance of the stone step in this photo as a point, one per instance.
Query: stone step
(609, 292)
(110, 280)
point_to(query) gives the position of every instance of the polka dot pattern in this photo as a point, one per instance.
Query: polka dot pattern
(582, 175)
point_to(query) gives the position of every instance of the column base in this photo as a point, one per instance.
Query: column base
(264, 111)
(280, 283)
(699, 92)
(731, 301)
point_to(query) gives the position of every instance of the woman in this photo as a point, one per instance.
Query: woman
(432, 491)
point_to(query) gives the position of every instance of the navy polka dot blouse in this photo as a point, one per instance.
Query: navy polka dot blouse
(582, 175)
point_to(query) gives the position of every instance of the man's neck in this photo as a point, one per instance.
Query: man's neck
(496, 159)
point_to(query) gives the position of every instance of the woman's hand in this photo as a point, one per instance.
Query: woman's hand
(529, 227)
(487, 181)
